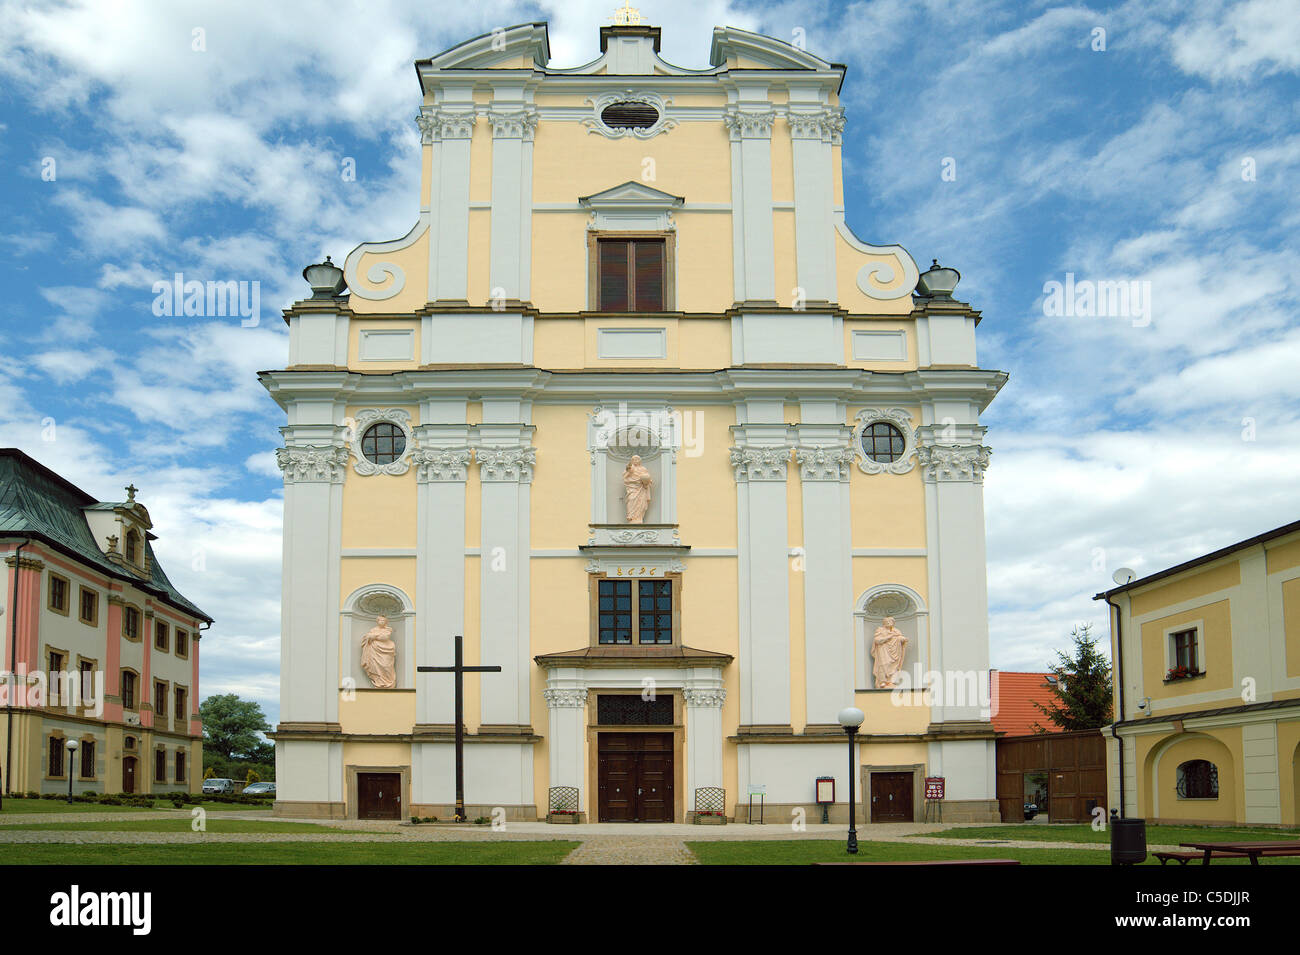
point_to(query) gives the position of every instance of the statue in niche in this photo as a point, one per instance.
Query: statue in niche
(636, 485)
(379, 654)
(887, 649)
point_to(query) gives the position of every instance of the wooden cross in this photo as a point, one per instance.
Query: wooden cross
(459, 669)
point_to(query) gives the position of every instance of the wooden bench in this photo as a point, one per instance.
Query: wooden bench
(935, 862)
(1182, 858)
(1254, 850)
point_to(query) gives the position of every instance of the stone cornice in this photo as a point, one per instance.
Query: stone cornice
(852, 385)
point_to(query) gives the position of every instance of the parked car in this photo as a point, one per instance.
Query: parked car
(1031, 810)
(259, 789)
(216, 785)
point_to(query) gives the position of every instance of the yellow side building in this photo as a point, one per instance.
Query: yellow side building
(1207, 687)
(631, 258)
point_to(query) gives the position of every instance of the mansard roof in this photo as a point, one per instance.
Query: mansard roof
(39, 504)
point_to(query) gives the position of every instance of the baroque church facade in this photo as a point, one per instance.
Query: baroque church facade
(632, 409)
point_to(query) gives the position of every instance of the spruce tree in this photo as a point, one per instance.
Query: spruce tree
(1082, 690)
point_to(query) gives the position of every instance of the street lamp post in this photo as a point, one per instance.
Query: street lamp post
(71, 746)
(851, 718)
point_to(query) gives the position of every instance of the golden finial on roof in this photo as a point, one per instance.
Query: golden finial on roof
(627, 15)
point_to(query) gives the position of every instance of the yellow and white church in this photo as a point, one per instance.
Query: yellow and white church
(633, 409)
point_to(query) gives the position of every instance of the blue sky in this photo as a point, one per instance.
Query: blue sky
(1170, 157)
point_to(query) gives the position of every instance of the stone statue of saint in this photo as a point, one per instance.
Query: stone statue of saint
(636, 484)
(379, 654)
(887, 649)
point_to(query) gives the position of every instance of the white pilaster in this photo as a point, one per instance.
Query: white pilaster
(827, 576)
(441, 470)
(813, 131)
(313, 511)
(750, 126)
(506, 474)
(703, 700)
(512, 174)
(566, 739)
(449, 127)
(762, 548)
(952, 462)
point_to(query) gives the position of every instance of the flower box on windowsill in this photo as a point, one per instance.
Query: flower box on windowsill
(709, 819)
(1178, 674)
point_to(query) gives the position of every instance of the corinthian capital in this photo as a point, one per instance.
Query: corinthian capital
(953, 462)
(749, 124)
(824, 124)
(760, 464)
(437, 124)
(312, 464)
(558, 699)
(514, 124)
(704, 695)
(441, 464)
(506, 464)
(824, 464)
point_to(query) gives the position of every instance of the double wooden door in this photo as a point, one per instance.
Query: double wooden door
(128, 774)
(635, 777)
(891, 797)
(379, 795)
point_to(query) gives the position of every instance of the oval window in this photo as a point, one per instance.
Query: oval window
(629, 116)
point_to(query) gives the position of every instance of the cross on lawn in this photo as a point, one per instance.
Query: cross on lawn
(459, 669)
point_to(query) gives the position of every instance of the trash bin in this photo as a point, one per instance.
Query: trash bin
(1128, 841)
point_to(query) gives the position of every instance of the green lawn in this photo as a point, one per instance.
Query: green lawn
(179, 824)
(1156, 835)
(294, 853)
(804, 852)
(16, 806)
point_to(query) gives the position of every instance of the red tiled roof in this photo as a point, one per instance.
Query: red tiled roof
(1015, 695)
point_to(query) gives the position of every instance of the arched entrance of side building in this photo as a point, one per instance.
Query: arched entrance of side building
(1190, 777)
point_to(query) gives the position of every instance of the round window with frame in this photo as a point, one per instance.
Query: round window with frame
(883, 442)
(383, 443)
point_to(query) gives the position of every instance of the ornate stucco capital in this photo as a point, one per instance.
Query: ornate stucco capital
(824, 464)
(441, 464)
(825, 125)
(704, 695)
(749, 124)
(565, 698)
(506, 464)
(952, 462)
(760, 464)
(514, 124)
(312, 464)
(437, 124)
